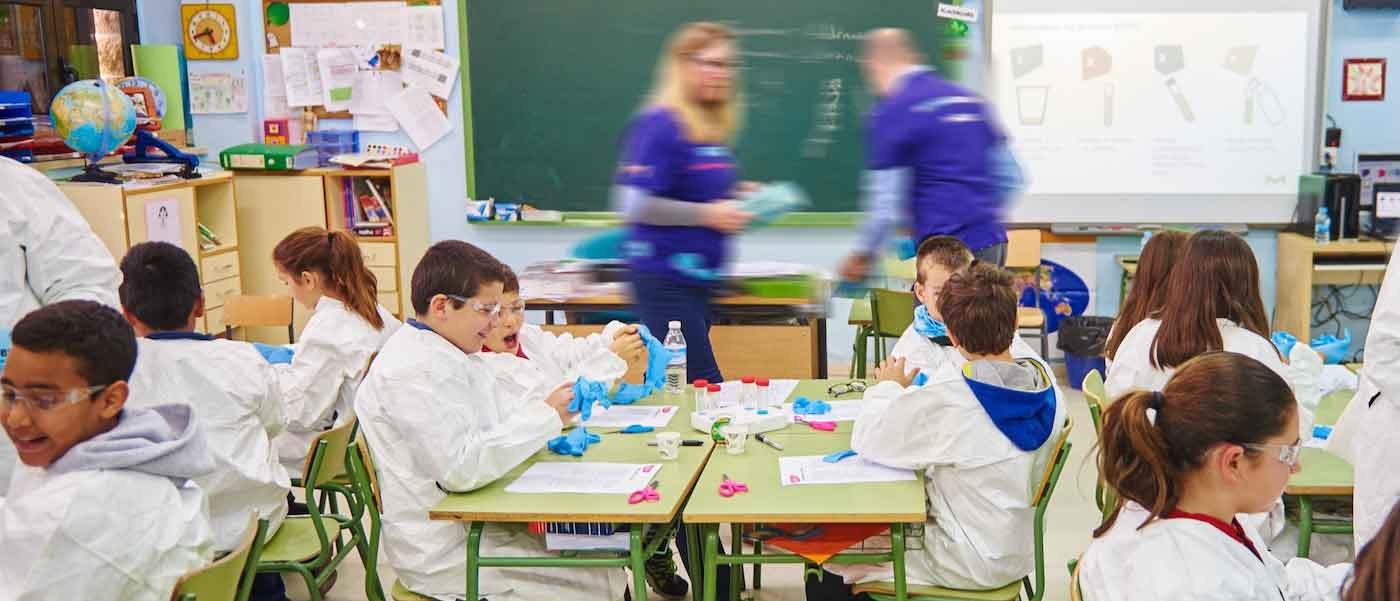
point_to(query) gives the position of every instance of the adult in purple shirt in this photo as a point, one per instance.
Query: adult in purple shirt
(675, 185)
(932, 158)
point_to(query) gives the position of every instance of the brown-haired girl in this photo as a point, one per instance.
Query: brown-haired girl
(325, 273)
(1377, 571)
(1145, 297)
(1221, 439)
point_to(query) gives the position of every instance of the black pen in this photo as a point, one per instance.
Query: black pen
(765, 440)
(685, 443)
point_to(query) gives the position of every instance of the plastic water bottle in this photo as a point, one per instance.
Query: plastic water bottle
(675, 370)
(1322, 226)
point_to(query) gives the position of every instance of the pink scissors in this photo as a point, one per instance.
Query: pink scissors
(816, 425)
(729, 488)
(646, 494)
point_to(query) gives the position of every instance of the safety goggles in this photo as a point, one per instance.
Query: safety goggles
(1289, 454)
(837, 390)
(489, 311)
(45, 400)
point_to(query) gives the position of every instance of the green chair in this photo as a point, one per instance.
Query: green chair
(1074, 593)
(884, 591)
(230, 578)
(891, 312)
(860, 317)
(366, 478)
(311, 545)
(1097, 398)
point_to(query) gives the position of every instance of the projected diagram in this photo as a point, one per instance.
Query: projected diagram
(1031, 100)
(1095, 63)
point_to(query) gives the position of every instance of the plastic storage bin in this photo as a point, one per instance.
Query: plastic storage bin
(332, 142)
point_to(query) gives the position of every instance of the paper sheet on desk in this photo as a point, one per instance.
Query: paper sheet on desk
(810, 469)
(621, 416)
(584, 477)
(729, 390)
(841, 411)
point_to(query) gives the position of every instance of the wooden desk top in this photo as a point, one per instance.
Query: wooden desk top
(1324, 473)
(621, 300)
(1338, 248)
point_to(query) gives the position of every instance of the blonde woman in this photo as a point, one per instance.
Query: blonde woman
(675, 184)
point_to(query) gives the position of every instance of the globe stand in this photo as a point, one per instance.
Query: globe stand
(94, 173)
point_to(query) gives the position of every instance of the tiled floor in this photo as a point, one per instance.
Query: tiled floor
(1069, 521)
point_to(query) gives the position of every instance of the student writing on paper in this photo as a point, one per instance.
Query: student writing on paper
(1219, 441)
(435, 421)
(925, 345)
(228, 383)
(325, 272)
(983, 433)
(102, 507)
(1154, 269)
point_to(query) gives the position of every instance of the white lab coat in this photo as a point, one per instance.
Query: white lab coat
(48, 254)
(1132, 370)
(318, 386)
(563, 357)
(980, 524)
(116, 535)
(1189, 560)
(1366, 435)
(234, 394)
(928, 357)
(435, 415)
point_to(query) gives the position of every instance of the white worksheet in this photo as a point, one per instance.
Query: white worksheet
(621, 416)
(841, 411)
(584, 477)
(810, 469)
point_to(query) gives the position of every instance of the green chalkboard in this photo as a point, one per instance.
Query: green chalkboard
(554, 82)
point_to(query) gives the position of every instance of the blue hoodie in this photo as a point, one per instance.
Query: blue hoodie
(1018, 396)
(164, 440)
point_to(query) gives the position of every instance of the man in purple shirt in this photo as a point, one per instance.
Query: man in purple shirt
(933, 154)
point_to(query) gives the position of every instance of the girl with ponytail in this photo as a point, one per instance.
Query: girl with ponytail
(1219, 440)
(325, 273)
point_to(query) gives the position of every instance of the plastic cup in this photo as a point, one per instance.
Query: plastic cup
(669, 445)
(736, 438)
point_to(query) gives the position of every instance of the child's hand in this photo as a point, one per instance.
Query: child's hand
(559, 401)
(892, 370)
(627, 343)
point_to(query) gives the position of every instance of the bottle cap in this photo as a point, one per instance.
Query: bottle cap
(714, 388)
(674, 324)
(748, 379)
(763, 381)
(701, 383)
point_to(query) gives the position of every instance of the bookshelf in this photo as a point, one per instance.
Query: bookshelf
(118, 215)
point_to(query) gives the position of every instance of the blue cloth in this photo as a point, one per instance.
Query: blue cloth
(574, 443)
(1025, 417)
(838, 456)
(273, 353)
(920, 379)
(1333, 349)
(1284, 342)
(960, 169)
(636, 429)
(658, 159)
(418, 324)
(658, 300)
(772, 201)
(926, 325)
(805, 406)
(586, 393)
(905, 249)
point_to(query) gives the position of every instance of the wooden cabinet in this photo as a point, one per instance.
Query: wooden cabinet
(123, 216)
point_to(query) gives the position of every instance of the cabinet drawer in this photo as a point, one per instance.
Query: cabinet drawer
(214, 292)
(218, 267)
(214, 321)
(378, 254)
(387, 277)
(390, 301)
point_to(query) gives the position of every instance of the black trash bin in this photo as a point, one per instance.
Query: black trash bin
(1082, 338)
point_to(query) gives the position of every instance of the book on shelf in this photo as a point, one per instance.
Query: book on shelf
(207, 239)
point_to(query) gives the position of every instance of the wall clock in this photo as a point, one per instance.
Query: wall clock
(1363, 79)
(211, 31)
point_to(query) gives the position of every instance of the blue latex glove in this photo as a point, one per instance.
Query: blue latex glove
(926, 325)
(806, 406)
(1333, 349)
(904, 248)
(920, 379)
(657, 358)
(4, 346)
(574, 443)
(1284, 342)
(273, 353)
(839, 455)
(636, 429)
(586, 393)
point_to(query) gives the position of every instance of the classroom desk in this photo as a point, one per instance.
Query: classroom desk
(791, 351)
(768, 502)
(1303, 264)
(493, 504)
(1322, 475)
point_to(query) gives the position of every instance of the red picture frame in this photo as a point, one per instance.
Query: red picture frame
(1363, 79)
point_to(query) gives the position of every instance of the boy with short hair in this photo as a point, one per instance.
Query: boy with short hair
(230, 385)
(436, 421)
(982, 434)
(925, 346)
(102, 507)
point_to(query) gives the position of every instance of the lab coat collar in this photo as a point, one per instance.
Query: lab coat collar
(326, 302)
(1025, 416)
(178, 336)
(418, 324)
(1233, 529)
